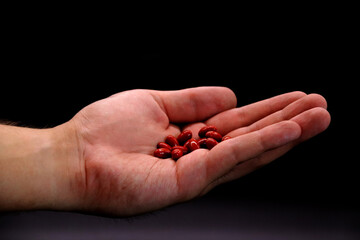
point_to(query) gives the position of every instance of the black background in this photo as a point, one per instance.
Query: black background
(50, 69)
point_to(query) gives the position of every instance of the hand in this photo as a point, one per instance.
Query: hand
(117, 173)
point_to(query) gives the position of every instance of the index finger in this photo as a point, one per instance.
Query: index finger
(232, 119)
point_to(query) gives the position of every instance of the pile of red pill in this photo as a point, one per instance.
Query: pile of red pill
(185, 143)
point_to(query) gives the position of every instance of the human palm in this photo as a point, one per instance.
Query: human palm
(117, 137)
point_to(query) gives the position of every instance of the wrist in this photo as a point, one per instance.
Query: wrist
(39, 168)
(68, 178)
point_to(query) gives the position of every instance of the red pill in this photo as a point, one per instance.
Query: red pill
(172, 141)
(192, 145)
(210, 143)
(163, 145)
(215, 135)
(182, 148)
(162, 153)
(202, 142)
(226, 138)
(176, 154)
(184, 136)
(205, 129)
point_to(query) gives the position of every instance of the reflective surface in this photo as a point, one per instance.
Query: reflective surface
(204, 218)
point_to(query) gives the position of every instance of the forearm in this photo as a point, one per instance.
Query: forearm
(34, 166)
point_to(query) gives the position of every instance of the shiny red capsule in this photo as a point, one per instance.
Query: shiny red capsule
(210, 143)
(205, 129)
(192, 145)
(182, 148)
(172, 141)
(163, 145)
(176, 154)
(184, 136)
(162, 153)
(202, 142)
(215, 135)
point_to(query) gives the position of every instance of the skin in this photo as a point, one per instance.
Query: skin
(102, 162)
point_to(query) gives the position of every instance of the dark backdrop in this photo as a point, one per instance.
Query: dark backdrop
(50, 70)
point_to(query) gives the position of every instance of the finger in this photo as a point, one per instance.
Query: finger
(207, 166)
(195, 104)
(239, 117)
(312, 122)
(295, 108)
(234, 151)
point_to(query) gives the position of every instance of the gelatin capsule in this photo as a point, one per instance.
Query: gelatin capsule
(162, 153)
(215, 135)
(205, 129)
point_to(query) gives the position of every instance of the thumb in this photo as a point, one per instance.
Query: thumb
(195, 104)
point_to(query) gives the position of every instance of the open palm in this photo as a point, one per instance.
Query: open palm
(118, 135)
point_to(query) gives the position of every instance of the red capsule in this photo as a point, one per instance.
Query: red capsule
(184, 136)
(210, 143)
(202, 142)
(215, 135)
(172, 141)
(226, 138)
(205, 129)
(162, 153)
(192, 145)
(176, 154)
(163, 145)
(182, 148)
